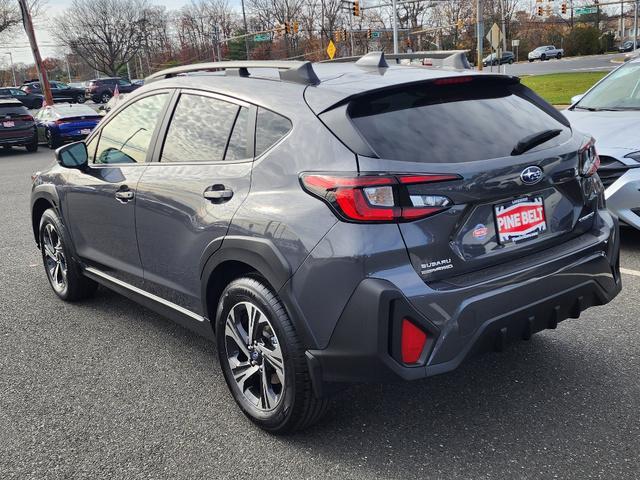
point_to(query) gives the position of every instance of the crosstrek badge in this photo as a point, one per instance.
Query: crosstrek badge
(520, 220)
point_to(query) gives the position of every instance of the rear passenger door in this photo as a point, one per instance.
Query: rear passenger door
(187, 197)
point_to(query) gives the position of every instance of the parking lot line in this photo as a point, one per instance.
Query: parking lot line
(628, 271)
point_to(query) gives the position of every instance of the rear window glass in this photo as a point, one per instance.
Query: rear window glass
(270, 127)
(75, 111)
(13, 110)
(451, 123)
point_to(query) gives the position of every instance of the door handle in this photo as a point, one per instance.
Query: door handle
(124, 195)
(218, 193)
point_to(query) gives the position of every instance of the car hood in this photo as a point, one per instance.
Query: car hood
(612, 130)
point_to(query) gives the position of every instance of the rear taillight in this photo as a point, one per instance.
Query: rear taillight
(61, 121)
(589, 159)
(25, 118)
(412, 342)
(377, 198)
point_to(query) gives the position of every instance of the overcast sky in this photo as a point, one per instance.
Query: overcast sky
(18, 45)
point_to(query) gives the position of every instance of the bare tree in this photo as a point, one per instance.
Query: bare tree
(105, 33)
(10, 16)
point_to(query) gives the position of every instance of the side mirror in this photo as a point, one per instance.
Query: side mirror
(576, 98)
(73, 155)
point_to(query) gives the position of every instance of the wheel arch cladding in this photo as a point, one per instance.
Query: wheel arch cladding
(239, 256)
(40, 204)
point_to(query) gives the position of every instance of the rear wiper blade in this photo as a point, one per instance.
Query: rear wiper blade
(527, 143)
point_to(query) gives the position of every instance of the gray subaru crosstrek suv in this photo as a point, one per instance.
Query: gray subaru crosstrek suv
(332, 223)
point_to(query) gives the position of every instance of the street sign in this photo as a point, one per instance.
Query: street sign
(494, 36)
(586, 10)
(515, 43)
(262, 37)
(331, 50)
(375, 34)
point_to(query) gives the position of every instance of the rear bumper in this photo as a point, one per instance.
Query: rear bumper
(23, 138)
(466, 318)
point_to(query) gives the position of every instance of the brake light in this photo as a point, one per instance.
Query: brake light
(25, 118)
(412, 342)
(27, 90)
(452, 80)
(589, 159)
(377, 198)
(60, 121)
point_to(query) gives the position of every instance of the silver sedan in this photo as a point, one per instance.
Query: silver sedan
(610, 112)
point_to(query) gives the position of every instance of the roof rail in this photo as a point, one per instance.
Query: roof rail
(450, 58)
(290, 70)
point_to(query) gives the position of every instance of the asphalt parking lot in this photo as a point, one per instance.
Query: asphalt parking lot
(108, 389)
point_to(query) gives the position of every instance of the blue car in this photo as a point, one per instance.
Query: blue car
(65, 122)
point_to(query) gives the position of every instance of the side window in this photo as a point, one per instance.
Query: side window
(199, 129)
(237, 149)
(270, 127)
(16, 92)
(126, 138)
(123, 83)
(91, 147)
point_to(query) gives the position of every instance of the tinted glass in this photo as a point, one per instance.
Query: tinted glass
(199, 129)
(270, 127)
(237, 149)
(16, 92)
(126, 138)
(13, 110)
(451, 123)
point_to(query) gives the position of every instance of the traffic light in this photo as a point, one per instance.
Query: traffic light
(540, 12)
(296, 27)
(356, 8)
(369, 33)
(287, 28)
(279, 30)
(336, 35)
(563, 9)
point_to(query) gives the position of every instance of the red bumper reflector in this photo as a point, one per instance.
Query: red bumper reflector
(412, 342)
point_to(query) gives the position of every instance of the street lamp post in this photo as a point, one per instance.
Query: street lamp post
(13, 70)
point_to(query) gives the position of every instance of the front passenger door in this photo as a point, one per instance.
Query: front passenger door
(100, 200)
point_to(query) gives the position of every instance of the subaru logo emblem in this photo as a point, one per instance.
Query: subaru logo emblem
(531, 175)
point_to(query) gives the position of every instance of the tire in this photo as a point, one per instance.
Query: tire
(559, 56)
(52, 141)
(33, 146)
(510, 61)
(543, 57)
(80, 99)
(531, 60)
(289, 403)
(63, 272)
(105, 97)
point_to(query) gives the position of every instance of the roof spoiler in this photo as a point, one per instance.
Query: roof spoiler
(289, 70)
(456, 59)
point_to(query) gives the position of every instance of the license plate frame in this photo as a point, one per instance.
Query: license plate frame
(85, 131)
(520, 220)
(8, 124)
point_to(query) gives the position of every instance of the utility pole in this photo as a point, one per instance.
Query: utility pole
(395, 26)
(66, 61)
(13, 70)
(246, 30)
(635, 27)
(42, 73)
(128, 71)
(479, 33)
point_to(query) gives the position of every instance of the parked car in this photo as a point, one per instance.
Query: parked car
(545, 53)
(17, 128)
(626, 46)
(29, 100)
(309, 225)
(506, 57)
(101, 90)
(65, 122)
(61, 92)
(610, 111)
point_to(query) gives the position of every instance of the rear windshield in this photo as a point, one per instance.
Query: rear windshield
(75, 111)
(453, 123)
(13, 110)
